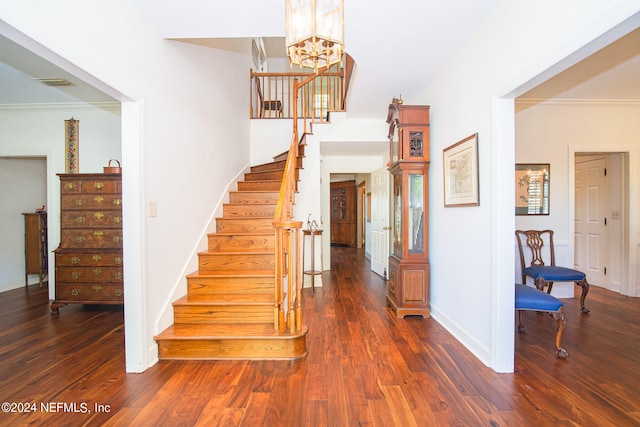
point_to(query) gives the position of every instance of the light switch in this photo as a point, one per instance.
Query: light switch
(153, 209)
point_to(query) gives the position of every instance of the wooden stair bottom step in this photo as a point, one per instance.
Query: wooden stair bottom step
(238, 341)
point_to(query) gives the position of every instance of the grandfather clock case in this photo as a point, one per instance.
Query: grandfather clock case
(408, 285)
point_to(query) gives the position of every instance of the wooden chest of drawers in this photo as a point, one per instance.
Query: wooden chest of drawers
(89, 259)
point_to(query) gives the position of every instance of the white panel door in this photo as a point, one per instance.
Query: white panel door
(380, 221)
(592, 204)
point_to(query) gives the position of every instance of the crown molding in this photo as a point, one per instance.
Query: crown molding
(522, 104)
(112, 107)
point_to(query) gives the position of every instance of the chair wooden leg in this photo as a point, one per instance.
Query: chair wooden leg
(561, 321)
(585, 290)
(520, 321)
(540, 283)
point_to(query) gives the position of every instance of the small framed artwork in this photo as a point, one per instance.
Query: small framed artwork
(71, 141)
(461, 173)
(532, 188)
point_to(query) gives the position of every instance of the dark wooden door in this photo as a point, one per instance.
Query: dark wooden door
(343, 213)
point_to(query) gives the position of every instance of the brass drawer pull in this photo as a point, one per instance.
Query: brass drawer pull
(98, 199)
(69, 186)
(98, 215)
(96, 288)
(80, 220)
(79, 202)
(98, 185)
(118, 275)
(97, 271)
(117, 239)
(117, 202)
(98, 233)
(96, 258)
(118, 292)
(75, 260)
(75, 292)
(117, 219)
(79, 239)
(117, 260)
(75, 275)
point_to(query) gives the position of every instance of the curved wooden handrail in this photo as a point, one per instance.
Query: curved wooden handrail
(287, 304)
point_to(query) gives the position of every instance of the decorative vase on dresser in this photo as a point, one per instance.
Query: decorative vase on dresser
(408, 285)
(88, 261)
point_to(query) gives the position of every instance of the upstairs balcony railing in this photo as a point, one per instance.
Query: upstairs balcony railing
(272, 95)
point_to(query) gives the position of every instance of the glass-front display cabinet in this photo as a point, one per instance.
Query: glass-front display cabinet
(408, 292)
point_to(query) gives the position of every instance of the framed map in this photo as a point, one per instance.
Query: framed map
(461, 173)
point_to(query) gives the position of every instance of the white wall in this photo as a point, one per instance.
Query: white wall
(185, 137)
(552, 132)
(472, 248)
(38, 130)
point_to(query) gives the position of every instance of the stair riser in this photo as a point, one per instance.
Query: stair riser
(230, 285)
(246, 197)
(239, 242)
(259, 185)
(279, 165)
(230, 349)
(244, 226)
(260, 176)
(253, 211)
(211, 262)
(208, 314)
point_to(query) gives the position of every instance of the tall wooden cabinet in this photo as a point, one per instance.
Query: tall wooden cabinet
(343, 213)
(88, 261)
(408, 285)
(35, 246)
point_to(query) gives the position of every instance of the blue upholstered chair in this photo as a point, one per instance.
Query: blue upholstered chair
(546, 274)
(532, 299)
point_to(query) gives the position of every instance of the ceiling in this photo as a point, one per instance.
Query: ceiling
(611, 73)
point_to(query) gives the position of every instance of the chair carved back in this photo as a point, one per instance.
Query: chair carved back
(535, 241)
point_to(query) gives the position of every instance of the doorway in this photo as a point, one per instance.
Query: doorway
(343, 213)
(26, 194)
(600, 218)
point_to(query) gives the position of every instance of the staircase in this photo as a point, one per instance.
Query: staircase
(228, 312)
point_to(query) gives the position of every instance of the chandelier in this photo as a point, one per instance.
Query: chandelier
(315, 32)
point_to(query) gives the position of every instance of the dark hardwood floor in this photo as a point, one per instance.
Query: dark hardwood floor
(364, 367)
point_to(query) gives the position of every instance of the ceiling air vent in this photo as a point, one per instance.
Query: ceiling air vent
(59, 81)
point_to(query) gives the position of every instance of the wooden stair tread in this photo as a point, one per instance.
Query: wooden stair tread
(226, 253)
(234, 273)
(232, 234)
(226, 299)
(256, 191)
(188, 331)
(252, 273)
(267, 180)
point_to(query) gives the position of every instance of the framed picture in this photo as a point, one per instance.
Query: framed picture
(461, 173)
(257, 53)
(71, 141)
(532, 189)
